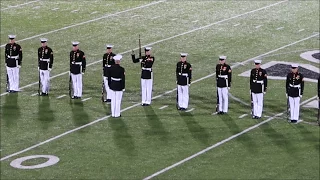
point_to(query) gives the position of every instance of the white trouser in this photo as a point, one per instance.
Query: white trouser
(45, 80)
(223, 99)
(13, 75)
(116, 97)
(294, 107)
(146, 91)
(257, 99)
(77, 84)
(106, 86)
(183, 96)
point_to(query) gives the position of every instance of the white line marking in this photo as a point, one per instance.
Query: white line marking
(173, 19)
(54, 9)
(94, 12)
(19, 5)
(239, 100)
(130, 107)
(36, 7)
(163, 107)
(266, 116)
(257, 27)
(86, 99)
(280, 28)
(76, 10)
(301, 30)
(156, 17)
(190, 110)
(214, 113)
(89, 21)
(34, 94)
(61, 96)
(215, 145)
(135, 15)
(195, 21)
(169, 38)
(242, 116)
(236, 25)
(299, 121)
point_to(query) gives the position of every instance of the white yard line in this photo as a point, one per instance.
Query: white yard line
(242, 116)
(163, 107)
(239, 100)
(86, 99)
(61, 96)
(156, 17)
(279, 28)
(257, 27)
(76, 10)
(299, 121)
(173, 19)
(195, 21)
(136, 15)
(301, 30)
(135, 105)
(10, 7)
(236, 25)
(190, 110)
(89, 21)
(169, 38)
(216, 145)
(94, 12)
(54, 9)
(34, 94)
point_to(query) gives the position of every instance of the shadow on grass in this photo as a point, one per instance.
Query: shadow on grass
(79, 115)
(157, 128)
(10, 111)
(309, 136)
(279, 139)
(245, 139)
(204, 103)
(199, 133)
(45, 114)
(121, 137)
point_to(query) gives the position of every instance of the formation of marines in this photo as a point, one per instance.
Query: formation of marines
(113, 82)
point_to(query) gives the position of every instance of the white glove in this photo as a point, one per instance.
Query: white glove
(264, 92)
(123, 90)
(300, 96)
(189, 85)
(228, 88)
(19, 66)
(82, 73)
(49, 69)
(286, 95)
(38, 69)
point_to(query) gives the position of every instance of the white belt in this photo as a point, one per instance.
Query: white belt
(108, 65)
(116, 79)
(183, 74)
(223, 76)
(260, 82)
(294, 86)
(13, 57)
(78, 63)
(44, 59)
(147, 69)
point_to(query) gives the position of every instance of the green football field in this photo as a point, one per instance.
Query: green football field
(157, 141)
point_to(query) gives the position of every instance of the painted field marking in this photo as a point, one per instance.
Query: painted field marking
(54, 9)
(136, 15)
(86, 99)
(169, 38)
(259, 26)
(190, 110)
(217, 144)
(61, 96)
(156, 17)
(299, 121)
(236, 25)
(19, 5)
(279, 28)
(163, 107)
(36, 7)
(242, 116)
(301, 30)
(195, 21)
(173, 19)
(138, 104)
(89, 21)
(76, 10)
(94, 12)
(34, 94)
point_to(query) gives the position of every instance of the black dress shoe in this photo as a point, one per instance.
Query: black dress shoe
(294, 121)
(73, 97)
(108, 100)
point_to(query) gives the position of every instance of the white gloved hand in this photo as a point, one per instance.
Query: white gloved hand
(264, 92)
(300, 96)
(82, 73)
(228, 88)
(123, 90)
(49, 69)
(38, 69)
(286, 95)
(19, 66)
